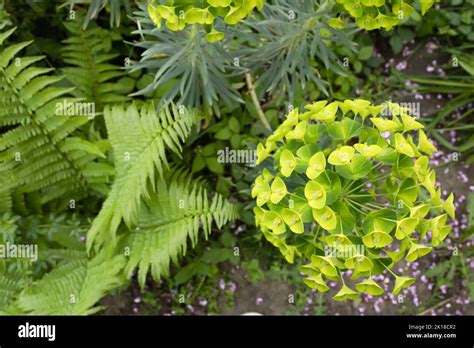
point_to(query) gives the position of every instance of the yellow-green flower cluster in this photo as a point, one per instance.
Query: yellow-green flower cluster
(176, 14)
(377, 14)
(347, 186)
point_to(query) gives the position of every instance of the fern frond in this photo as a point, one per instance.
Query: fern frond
(89, 54)
(36, 148)
(11, 284)
(178, 212)
(4, 17)
(139, 139)
(74, 286)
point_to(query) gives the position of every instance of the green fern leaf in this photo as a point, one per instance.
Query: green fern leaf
(74, 286)
(39, 152)
(139, 152)
(178, 212)
(11, 284)
(89, 54)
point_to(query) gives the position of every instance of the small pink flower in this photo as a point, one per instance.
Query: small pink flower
(232, 287)
(222, 284)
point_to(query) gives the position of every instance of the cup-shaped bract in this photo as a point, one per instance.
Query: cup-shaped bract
(183, 12)
(378, 14)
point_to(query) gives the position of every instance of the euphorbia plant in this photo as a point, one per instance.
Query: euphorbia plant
(176, 14)
(350, 189)
(377, 14)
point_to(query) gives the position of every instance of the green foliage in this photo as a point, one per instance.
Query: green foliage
(63, 280)
(454, 20)
(4, 18)
(253, 270)
(284, 53)
(11, 283)
(343, 196)
(73, 287)
(206, 264)
(139, 153)
(40, 151)
(459, 82)
(47, 160)
(104, 195)
(199, 72)
(179, 211)
(291, 51)
(89, 52)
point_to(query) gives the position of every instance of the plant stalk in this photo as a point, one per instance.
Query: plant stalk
(253, 95)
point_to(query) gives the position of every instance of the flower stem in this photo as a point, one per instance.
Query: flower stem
(253, 95)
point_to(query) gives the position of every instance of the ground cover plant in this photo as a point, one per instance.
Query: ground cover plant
(224, 156)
